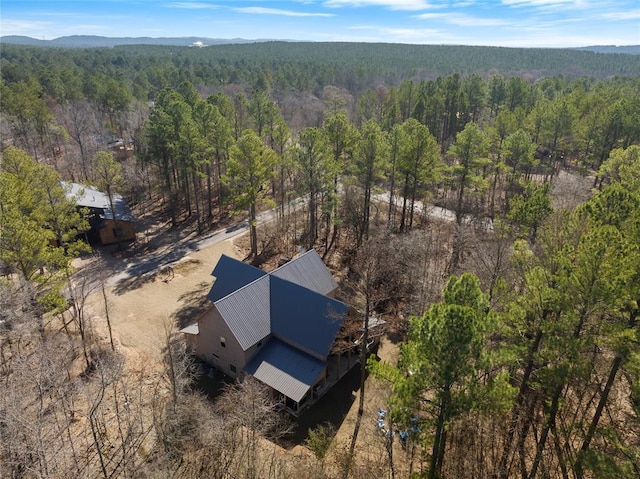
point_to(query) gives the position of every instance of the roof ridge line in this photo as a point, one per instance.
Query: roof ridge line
(266, 275)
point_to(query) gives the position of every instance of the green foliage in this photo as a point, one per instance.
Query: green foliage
(623, 167)
(418, 163)
(470, 153)
(446, 342)
(250, 167)
(529, 209)
(317, 170)
(107, 171)
(518, 151)
(438, 371)
(319, 439)
(38, 224)
(370, 164)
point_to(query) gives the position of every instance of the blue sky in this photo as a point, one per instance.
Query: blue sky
(511, 23)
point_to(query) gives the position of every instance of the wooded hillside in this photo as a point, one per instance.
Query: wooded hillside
(514, 305)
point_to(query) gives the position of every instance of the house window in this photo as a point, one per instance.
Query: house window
(223, 342)
(232, 368)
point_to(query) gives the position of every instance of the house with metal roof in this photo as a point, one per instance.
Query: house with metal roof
(278, 327)
(106, 226)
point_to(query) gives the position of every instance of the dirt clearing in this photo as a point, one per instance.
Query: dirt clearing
(141, 311)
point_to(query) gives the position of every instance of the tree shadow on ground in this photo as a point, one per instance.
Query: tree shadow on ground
(195, 303)
(146, 270)
(332, 408)
(211, 382)
(135, 282)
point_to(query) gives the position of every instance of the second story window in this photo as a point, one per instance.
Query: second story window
(223, 342)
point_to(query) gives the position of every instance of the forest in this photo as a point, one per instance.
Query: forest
(516, 316)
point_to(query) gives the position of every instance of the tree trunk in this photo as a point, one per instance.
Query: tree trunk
(312, 219)
(549, 423)
(503, 470)
(106, 313)
(404, 203)
(392, 206)
(459, 214)
(439, 441)
(253, 230)
(363, 377)
(617, 362)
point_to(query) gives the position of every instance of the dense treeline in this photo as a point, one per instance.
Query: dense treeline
(545, 382)
(490, 134)
(525, 365)
(301, 66)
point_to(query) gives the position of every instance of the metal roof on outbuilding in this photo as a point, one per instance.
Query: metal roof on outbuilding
(247, 312)
(235, 274)
(90, 197)
(309, 272)
(285, 369)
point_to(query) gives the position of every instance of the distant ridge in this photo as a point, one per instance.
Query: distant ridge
(626, 49)
(93, 41)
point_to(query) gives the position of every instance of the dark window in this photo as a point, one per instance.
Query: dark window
(259, 343)
(232, 368)
(223, 342)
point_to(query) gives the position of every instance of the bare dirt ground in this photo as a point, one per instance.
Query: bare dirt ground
(141, 308)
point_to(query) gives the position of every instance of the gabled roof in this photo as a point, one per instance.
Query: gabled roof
(285, 369)
(309, 272)
(235, 274)
(289, 308)
(90, 197)
(255, 304)
(247, 312)
(304, 318)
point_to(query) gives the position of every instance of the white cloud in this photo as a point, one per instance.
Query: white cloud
(463, 20)
(391, 4)
(22, 27)
(402, 35)
(277, 11)
(192, 5)
(538, 3)
(622, 15)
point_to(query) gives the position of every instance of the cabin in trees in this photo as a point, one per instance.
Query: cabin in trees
(284, 328)
(106, 226)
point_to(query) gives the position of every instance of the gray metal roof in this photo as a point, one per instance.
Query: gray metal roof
(247, 312)
(285, 369)
(289, 304)
(304, 318)
(90, 197)
(309, 272)
(231, 275)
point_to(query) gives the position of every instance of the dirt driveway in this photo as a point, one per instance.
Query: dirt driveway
(141, 307)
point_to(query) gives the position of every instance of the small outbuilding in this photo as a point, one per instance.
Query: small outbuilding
(106, 226)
